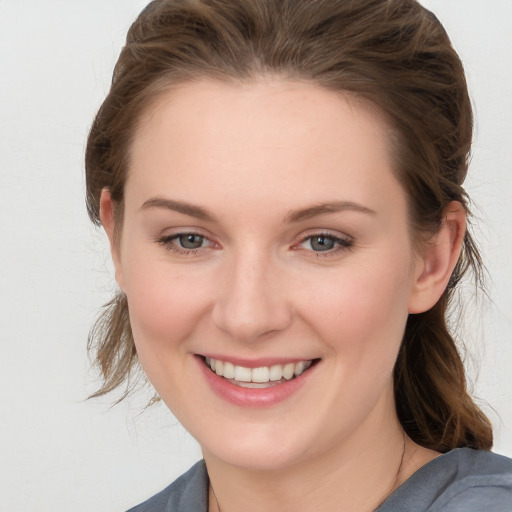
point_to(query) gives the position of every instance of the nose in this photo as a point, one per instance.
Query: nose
(251, 302)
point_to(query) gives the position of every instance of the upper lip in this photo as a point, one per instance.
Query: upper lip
(256, 363)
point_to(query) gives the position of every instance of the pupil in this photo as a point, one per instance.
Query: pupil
(322, 243)
(191, 241)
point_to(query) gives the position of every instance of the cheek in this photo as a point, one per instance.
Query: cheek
(363, 313)
(362, 321)
(165, 304)
(165, 308)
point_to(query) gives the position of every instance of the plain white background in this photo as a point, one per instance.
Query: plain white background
(59, 452)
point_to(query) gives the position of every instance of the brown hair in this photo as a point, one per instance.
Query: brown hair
(393, 53)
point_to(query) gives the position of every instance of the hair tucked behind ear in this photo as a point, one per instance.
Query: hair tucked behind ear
(391, 53)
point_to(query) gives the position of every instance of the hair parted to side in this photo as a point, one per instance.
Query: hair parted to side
(392, 53)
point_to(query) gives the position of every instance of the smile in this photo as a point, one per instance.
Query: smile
(261, 377)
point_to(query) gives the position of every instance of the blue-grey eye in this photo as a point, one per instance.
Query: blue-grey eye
(191, 241)
(322, 243)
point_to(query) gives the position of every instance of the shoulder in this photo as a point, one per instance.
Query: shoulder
(188, 493)
(461, 480)
(477, 480)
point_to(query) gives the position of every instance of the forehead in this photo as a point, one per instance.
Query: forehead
(249, 140)
(224, 105)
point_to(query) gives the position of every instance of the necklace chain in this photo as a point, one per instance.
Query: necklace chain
(397, 477)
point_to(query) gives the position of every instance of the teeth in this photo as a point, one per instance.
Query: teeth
(275, 372)
(300, 367)
(288, 371)
(262, 374)
(229, 370)
(242, 374)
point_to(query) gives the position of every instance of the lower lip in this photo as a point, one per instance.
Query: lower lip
(252, 397)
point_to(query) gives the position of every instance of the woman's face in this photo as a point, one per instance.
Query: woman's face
(264, 232)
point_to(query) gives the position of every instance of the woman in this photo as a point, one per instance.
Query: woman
(281, 184)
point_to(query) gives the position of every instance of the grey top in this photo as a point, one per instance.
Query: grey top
(462, 480)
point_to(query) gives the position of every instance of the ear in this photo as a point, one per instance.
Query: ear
(435, 264)
(108, 221)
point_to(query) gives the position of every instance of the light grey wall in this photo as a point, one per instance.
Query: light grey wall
(58, 452)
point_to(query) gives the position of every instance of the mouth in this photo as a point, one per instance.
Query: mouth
(260, 377)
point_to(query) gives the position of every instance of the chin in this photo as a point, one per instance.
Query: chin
(265, 449)
(255, 458)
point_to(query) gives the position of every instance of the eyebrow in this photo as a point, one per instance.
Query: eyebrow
(292, 216)
(180, 207)
(326, 208)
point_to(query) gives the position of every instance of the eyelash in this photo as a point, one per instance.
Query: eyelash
(167, 243)
(340, 244)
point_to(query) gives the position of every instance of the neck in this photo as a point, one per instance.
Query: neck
(358, 475)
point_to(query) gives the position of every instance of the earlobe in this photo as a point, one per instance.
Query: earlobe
(438, 259)
(108, 222)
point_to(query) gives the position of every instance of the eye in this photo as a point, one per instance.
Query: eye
(185, 243)
(190, 241)
(323, 242)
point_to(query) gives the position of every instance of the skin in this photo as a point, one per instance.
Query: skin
(250, 154)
